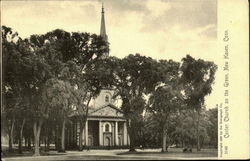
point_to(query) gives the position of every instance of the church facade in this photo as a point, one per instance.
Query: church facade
(106, 124)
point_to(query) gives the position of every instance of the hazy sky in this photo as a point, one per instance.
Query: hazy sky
(161, 29)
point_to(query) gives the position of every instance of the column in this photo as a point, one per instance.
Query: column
(86, 133)
(113, 134)
(128, 140)
(100, 133)
(74, 134)
(128, 134)
(77, 133)
(125, 136)
(116, 133)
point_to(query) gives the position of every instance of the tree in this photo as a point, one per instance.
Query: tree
(30, 64)
(212, 127)
(59, 96)
(197, 78)
(166, 100)
(24, 74)
(96, 76)
(185, 131)
(134, 77)
(22, 117)
(151, 131)
(69, 55)
(14, 52)
(9, 119)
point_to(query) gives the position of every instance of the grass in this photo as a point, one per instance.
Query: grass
(26, 152)
(118, 154)
(173, 152)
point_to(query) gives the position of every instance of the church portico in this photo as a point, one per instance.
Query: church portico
(104, 132)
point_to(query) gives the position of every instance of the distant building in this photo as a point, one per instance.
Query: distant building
(106, 125)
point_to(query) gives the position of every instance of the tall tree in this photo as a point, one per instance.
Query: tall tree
(30, 63)
(59, 95)
(96, 75)
(134, 77)
(212, 127)
(166, 100)
(14, 83)
(69, 57)
(197, 78)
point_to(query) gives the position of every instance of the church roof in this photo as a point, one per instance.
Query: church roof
(103, 106)
(107, 110)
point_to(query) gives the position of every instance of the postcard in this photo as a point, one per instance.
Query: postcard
(122, 79)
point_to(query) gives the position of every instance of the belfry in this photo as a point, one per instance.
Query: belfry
(106, 124)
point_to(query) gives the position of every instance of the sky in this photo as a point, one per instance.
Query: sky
(161, 29)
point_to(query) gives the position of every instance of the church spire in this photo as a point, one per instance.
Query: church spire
(103, 28)
(103, 31)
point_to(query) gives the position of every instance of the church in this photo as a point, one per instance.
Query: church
(106, 124)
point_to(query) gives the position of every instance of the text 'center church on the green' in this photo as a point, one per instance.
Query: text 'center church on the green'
(106, 124)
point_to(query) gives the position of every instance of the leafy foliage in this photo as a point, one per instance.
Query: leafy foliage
(53, 76)
(197, 78)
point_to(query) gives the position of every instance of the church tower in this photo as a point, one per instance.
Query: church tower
(105, 96)
(103, 27)
(103, 30)
(105, 125)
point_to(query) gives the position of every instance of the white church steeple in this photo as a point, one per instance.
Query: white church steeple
(103, 31)
(105, 96)
(103, 27)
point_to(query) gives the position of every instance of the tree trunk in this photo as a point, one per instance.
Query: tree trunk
(21, 137)
(33, 142)
(25, 142)
(29, 142)
(56, 138)
(82, 125)
(80, 136)
(131, 137)
(47, 143)
(11, 135)
(164, 140)
(63, 137)
(37, 129)
(198, 130)
(47, 138)
(182, 138)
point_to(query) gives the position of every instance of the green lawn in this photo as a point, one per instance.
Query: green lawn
(118, 154)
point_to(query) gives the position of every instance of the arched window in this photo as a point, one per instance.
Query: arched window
(107, 128)
(106, 98)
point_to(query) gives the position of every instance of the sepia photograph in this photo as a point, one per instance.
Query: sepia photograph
(116, 80)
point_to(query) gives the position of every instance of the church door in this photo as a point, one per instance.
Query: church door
(107, 141)
(90, 141)
(119, 141)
